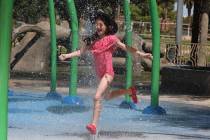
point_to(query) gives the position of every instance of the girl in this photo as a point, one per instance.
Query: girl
(102, 44)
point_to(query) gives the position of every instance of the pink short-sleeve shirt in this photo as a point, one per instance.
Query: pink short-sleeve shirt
(102, 51)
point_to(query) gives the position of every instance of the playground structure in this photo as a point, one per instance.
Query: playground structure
(5, 39)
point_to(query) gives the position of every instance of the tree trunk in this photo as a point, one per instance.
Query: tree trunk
(195, 22)
(203, 39)
(195, 32)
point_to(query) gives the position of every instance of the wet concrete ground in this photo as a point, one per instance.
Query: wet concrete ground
(32, 117)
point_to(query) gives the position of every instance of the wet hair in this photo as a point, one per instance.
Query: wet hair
(111, 25)
(90, 39)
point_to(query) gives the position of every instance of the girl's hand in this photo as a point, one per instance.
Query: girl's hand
(145, 55)
(62, 57)
(148, 55)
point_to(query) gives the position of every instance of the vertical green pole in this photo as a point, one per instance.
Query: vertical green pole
(5, 47)
(154, 108)
(75, 41)
(156, 53)
(53, 47)
(128, 39)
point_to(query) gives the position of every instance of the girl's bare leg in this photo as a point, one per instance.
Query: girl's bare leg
(102, 87)
(131, 91)
(116, 93)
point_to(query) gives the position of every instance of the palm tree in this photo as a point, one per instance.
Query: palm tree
(204, 32)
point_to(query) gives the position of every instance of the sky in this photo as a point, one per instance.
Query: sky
(184, 10)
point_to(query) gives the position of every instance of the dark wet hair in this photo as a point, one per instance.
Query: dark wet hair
(90, 39)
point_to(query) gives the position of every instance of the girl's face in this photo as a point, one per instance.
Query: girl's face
(100, 28)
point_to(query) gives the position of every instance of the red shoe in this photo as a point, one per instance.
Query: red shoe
(133, 95)
(91, 128)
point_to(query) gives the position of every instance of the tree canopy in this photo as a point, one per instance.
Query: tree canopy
(32, 11)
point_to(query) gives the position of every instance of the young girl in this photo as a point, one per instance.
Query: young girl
(102, 44)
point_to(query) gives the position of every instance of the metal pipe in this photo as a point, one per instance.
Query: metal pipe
(179, 22)
(5, 49)
(75, 40)
(156, 53)
(53, 47)
(128, 41)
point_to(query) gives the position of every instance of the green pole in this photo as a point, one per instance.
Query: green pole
(75, 41)
(156, 53)
(5, 48)
(128, 39)
(53, 46)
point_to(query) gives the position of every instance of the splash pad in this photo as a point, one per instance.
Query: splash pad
(31, 115)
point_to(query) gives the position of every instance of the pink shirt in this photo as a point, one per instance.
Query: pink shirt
(102, 51)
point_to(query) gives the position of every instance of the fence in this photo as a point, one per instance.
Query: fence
(165, 27)
(186, 53)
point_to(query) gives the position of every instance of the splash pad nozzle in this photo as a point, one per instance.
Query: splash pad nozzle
(53, 95)
(154, 110)
(73, 100)
(128, 105)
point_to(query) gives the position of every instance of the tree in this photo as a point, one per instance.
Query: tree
(167, 6)
(204, 32)
(165, 9)
(30, 11)
(136, 12)
(199, 28)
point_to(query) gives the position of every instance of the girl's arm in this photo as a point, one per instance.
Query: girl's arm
(79, 52)
(133, 50)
